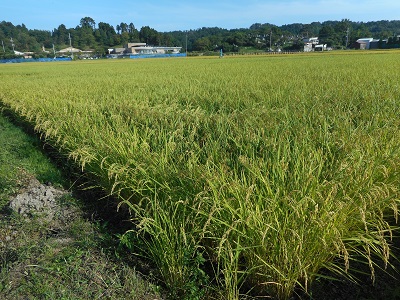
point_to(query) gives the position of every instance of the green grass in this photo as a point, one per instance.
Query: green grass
(68, 257)
(272, 168)
(21, 158)
(73, 261)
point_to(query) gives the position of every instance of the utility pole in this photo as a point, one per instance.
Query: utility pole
(70, 45)
(270, 40)
(347, 36)
(12, 44)
(54, 50)
(186, 42)
(2, 43)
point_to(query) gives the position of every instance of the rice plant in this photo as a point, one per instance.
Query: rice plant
(271, 168)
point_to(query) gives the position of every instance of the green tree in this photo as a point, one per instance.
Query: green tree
(202, 44)
(123, 27)
(149, 35)
(327, 35)
(133, 33)
(88, 22)
(125, 38)
(237, 38)
(362, 31)
(105, 34)
(342, 29)
(25, 42)
(61, 35)
(43, 37)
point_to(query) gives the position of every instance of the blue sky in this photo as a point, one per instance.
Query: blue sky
(184, 15)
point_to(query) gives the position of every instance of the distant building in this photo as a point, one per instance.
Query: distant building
(312, 44)
(320, 47)
(82, 54)
(143, 48)
(69, 50)
(312, 40)
(309, 44)
(24, 54)
(367, 43)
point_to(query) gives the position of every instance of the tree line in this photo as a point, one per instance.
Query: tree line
(259, 36)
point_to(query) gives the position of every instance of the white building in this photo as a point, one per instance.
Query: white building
(24, 54)
(312, 44)
(143, 48)
(69, 50)
(320, 47)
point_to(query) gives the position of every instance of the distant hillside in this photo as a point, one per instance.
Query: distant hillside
(100, 36)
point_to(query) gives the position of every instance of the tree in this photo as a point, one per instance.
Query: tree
(327, 35)
(148, 35)
(88, 22)
(105, 34)
(123, 27)
(131, 27)
(85, 38)
(342, 29)
(237, 38)
(166, 40)
(133, 33)
(124, 38)
(202, 44)
(43, 37)
(61, 35)
(361, 31)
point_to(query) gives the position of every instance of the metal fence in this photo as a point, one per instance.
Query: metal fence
(22, 60)
(157, 55)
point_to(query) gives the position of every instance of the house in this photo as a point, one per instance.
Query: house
(312, 44)
(312, 40)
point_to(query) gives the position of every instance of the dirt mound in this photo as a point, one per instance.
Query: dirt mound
(38, 199)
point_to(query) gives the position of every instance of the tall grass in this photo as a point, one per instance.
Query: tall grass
(271, 168)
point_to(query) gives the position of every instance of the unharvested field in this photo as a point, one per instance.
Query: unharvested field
(243, 175)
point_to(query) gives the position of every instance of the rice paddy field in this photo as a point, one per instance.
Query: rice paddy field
(243, 176)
